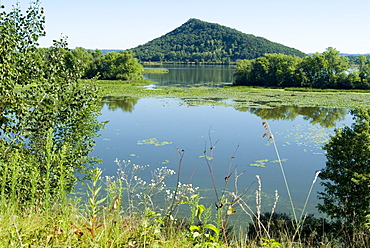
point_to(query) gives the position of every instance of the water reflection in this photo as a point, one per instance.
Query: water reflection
(149, 134)
(186, 75)
(326, 117)
(125, 103)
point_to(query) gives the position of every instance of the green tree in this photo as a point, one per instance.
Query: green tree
(121, 66)
(346, 195)
(282, 70)
(47, 120)
(313, 69)
(80, 60)
(96, 67)
(242, 74)
(259, 75)
(335, 67)
(270, 70)
(326, 70)
(363, 72)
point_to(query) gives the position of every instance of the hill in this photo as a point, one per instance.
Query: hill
(200, 41)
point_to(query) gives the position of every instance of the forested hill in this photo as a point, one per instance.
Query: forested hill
(199, 41)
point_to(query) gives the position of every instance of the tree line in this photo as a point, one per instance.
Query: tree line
(94, 64)
(321, 70)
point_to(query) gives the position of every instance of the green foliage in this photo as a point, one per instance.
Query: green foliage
(46, 117)
(19, 34)
(203, 233)
(79, 59)
(270, 243)
(269, 70)
(346, 195)
(94, 205)
(202, 42)
(76, 223)
(326, 70)
(355, 59)
(94, 64)
(122, 66)
(310, 232)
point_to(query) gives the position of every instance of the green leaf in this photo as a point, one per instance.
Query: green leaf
(185, 202)
(91, 202)
(213, 228)
(97, 190)
(194, 228)
(101, 201)
(200, 210)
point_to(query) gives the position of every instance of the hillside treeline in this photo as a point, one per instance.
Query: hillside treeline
(197, 41)
(354, 58)
(326, 70)
(94, 64)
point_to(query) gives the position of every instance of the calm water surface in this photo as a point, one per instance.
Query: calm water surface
(170, 123)
(190, 75)
(148, 132)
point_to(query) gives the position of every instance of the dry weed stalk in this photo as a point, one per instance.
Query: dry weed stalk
(271, 137)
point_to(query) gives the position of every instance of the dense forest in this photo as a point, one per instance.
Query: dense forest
(203, 42)
(321, 70)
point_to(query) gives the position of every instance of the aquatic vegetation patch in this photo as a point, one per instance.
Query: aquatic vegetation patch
(155, 70)
(311, 137)
(262, 162)
(239, 97)
(207, 157)
(259, 163)
(153, 141)
(166, 161)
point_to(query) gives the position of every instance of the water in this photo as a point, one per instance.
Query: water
(148, 131)
(152, 131)
(192, 75)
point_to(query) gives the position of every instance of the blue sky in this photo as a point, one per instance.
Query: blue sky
(307, 25)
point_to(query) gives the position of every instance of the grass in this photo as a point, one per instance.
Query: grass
(126, 211)
(68, 226)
